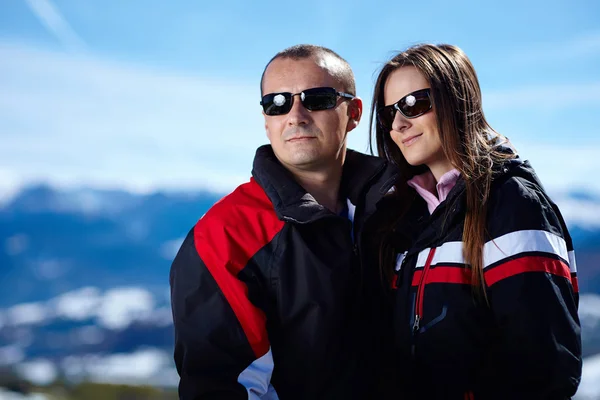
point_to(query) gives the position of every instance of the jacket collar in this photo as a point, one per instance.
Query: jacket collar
(454, 207)
(292, 202)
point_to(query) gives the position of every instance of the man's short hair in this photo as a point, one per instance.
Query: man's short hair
(325, 58)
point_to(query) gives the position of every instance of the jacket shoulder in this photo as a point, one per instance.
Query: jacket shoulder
(519, 204)
(247, 198)
(237, 225)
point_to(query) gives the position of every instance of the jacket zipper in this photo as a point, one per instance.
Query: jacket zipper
(421, 291)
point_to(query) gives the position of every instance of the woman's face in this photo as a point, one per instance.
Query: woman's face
(418, 138)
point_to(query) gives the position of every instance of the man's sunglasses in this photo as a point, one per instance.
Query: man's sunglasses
(412, 105)
(315, 99)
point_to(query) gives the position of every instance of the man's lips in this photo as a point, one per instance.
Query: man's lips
(298, 138)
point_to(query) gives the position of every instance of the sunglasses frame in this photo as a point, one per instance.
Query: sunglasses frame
(396, 106)
(302, 94)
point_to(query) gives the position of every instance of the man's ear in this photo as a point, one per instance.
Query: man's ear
(355, 108)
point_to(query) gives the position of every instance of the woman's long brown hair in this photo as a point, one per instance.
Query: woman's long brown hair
(468, 141)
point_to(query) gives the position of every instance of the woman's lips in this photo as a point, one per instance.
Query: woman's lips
(410, 140)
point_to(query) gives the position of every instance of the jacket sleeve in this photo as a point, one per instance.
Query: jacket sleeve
(221, 346)
(530, 273)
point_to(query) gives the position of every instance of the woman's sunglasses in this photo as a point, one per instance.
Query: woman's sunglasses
(315, 99)
(412, 105)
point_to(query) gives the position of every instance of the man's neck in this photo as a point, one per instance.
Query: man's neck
(324, 186)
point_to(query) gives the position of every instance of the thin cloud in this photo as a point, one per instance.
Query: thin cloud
(563, 167)
(73, 120)
(51, 17)
(584, 45)
(544, 97)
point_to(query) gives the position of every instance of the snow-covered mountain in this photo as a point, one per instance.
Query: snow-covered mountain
(589, 311)
(118, 335)
(54, 241)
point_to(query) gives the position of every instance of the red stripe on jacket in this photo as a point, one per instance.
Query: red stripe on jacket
(575, 282)
(226, 238)
(527, 264)
(457, 275)
(441, 274)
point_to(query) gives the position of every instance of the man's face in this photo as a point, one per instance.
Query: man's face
(302, 139)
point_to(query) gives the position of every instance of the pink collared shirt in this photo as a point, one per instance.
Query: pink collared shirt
(425, 185)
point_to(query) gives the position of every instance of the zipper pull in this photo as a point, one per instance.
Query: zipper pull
(416, 324)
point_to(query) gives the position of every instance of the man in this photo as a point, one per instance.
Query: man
(269, 295)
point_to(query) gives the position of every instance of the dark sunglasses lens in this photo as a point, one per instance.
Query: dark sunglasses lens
(319, 99)
(415, 104)
(277, 103)
(386, 116)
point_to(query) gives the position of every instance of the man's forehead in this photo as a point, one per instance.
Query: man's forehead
(287, 74)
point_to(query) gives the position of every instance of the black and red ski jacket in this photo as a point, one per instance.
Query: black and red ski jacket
(524, 344)
(269, 296)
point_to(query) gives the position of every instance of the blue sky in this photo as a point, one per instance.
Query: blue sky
(155, 94)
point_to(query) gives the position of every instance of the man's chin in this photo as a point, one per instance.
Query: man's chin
(305, 156)
(303, 160)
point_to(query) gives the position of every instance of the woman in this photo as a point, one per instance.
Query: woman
(480, 259)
